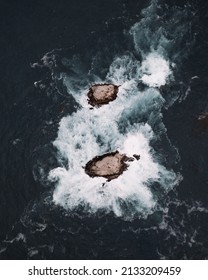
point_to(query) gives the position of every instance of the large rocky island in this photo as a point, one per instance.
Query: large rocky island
(100, 94)
(109, 166)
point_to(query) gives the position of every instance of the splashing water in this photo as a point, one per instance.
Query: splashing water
(119, 126)
(156, 70)
(88, 133)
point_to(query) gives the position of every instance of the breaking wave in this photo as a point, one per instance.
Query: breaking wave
(132, 124)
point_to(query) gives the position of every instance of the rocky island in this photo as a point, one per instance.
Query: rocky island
(109, 166)
(100, 94)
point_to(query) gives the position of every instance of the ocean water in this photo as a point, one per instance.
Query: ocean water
(157, 209)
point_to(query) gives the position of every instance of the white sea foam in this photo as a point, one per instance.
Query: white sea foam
(156, 70)
(87, 133)
(120, 124)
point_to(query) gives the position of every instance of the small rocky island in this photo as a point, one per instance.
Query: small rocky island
(109, 166)
(100, 94)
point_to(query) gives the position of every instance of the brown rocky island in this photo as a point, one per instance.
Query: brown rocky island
(100, 94)
(109, 166)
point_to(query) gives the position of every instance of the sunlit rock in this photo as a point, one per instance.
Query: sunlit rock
(100, 94)
(109, 166)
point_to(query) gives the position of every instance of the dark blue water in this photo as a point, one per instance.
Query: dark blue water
(32, 225)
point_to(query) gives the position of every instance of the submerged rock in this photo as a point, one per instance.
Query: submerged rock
(109, 166)
(100, 94)
(203, 121)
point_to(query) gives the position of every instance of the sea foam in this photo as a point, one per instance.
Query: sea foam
(87, 133)
(131, 124)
